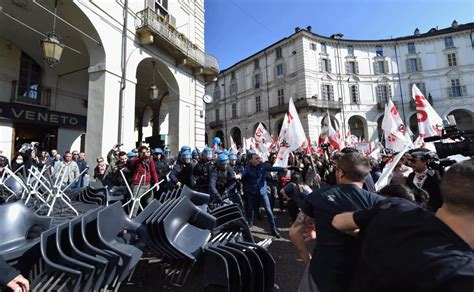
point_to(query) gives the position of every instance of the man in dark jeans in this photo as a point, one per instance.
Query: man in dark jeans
(332, 265)
(407, 248)
(253, 177)
(143, 166)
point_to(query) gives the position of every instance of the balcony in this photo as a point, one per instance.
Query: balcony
(34, 94)
(153, 28)
(216, 124)
(382, 104)
(283, 108)
(312, 103)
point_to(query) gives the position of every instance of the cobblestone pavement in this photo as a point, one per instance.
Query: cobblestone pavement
(289, 268)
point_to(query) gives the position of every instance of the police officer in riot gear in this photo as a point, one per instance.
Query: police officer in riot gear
(222, 183)
(201, 171)
(183, 169)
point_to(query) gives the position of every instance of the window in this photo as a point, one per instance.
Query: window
(312, 46)
(325, 65)
(378, 51)
(412, 65)
(256, 64)
(279, 69)
(279, 53)
(281, 96)
(232, 75)
(234, 110)
(381, 67)
(217, 93)
(323, 48)
(411, 48)
(456, 88)
(327, 92)
(350, 50)
(233, 88)
(352, 67)
(217, 114)
(452, 60)
(258, 104)
(354, 91)
(383, 93)
(257, 81)
(29, 80)
(448, 42)
(420, 85)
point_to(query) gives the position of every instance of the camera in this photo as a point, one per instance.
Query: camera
(463, 140)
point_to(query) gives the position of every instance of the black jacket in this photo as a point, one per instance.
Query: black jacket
(431, 186)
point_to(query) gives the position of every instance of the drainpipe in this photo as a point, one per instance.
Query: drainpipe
(123, 80)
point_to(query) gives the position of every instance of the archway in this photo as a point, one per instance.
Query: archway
(236, 135)
(164, 123)
(357, 127)
(414, 125)
(277, 127)
(464, 120)
(220, 135)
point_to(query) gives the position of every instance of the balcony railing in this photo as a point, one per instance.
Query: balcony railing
(313, 103)
(33, 94)
(150, 24)
(283, 108)
(216, 124)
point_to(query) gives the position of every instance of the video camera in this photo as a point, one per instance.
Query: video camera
(464, 140)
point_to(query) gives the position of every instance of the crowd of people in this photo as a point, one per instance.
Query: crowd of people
(414, 234)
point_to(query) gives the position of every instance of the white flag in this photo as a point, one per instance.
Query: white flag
(233, 147)
(262, 135)
(386, 175)
(428, 119)
(395, 132)
(291, 137)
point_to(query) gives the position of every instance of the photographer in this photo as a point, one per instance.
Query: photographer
(143, 166)
(114, 176)
(424, 178)
(113, 155)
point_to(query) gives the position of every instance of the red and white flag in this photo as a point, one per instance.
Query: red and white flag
(291, 137)
(262, 135)
(395, 132)
(328, 131)
(428, 119)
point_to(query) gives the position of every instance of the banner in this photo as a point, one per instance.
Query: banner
(386, 175)
(291, 136)
(327, 131)
(395, 132)
(233, 147)
(262, 135)
(363, 147)
(428, 119)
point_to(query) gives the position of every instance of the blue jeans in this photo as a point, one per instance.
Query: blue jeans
(254, 200)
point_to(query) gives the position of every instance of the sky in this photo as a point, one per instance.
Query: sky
(236, 29)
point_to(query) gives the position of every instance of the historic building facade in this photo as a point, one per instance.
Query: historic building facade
(353, 79)
(130, 72)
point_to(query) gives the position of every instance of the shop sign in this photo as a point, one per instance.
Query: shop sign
(31, 114)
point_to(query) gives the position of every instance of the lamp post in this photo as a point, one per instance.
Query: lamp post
(225, 115)
(338, 36)
(51, 46)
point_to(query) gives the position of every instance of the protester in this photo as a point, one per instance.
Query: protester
(3, 159)
(121, 165)
(253, 177)
(100, 171)
(332, 266)
(399, 191)
(17, 162)
(143, 173)
(407, 248)
(294, 193)
(69, 169)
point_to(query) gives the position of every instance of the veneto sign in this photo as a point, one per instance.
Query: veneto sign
(24, 113)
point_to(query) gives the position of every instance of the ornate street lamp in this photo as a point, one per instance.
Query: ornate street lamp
(153, 91)
(51, 46)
